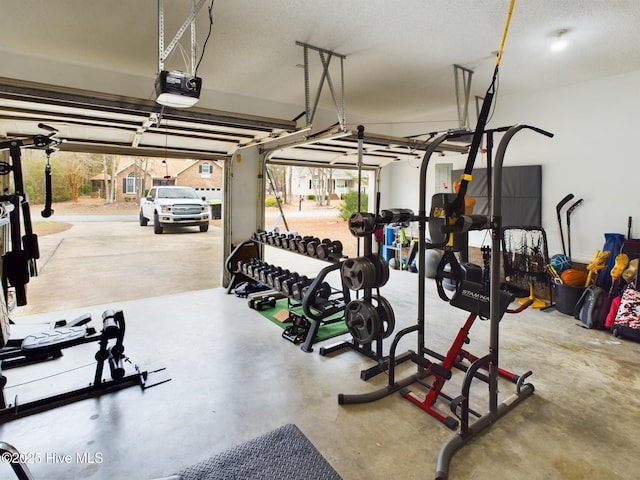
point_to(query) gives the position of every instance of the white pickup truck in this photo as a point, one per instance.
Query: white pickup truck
(179, 206)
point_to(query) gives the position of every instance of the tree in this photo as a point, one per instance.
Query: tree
(321, 185)
(73, 170)
(279, 187)
(141, 166)
(33, 165)
(110, 169)
(350, 203)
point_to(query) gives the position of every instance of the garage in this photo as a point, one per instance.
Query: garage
(487, 148)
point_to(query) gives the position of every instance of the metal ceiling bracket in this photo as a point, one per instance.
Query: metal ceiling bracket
(163, 53)
(463, 92)
(325, 59)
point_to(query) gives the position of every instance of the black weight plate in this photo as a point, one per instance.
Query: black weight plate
(362, 321)
(386, 314)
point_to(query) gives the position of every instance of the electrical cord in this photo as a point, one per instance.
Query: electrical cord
(204, 45)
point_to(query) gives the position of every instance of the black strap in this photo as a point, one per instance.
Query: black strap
(47, 211)
(456, 208)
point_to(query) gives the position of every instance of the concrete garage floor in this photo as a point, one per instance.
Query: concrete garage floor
(105, 257)
(234, 378)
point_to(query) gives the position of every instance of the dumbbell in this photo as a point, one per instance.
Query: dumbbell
(287, 284)
(293, 243)
(248, 267)
(324, 291)
(270, 277)
(271, 237)
(297, 289)
(302, 244)
(313, 245)
(286, 240)
(331, 249)
(240, 264)
(263, 273)
(265, 301)
(255, 273)
(278, 280)
(277, 240)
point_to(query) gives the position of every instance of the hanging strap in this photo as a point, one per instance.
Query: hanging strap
(456, 207)
(47, 211)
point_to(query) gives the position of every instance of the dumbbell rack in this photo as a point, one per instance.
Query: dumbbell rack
(319, 301)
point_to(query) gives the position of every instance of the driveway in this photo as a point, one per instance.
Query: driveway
(104, 259)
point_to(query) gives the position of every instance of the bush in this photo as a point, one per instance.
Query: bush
(311, 196)
(350, 203)
(270, 202)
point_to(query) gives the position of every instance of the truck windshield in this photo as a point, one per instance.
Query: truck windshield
(177, 193)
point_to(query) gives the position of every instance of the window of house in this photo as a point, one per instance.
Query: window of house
(130, 183)
(205, 168)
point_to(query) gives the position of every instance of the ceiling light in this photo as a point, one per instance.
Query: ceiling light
(177, 89)
(560, 42)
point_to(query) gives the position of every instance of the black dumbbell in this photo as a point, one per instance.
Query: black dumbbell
(286, 239)
(262, 302)
(297, 289)
(272, 275)
(302, 244)
(293, 243)
(263, 273)
(324, 291)
(330, 250)
(287, 284)
(277, 281)
(255, 273)
(248, 267)
(314, 245)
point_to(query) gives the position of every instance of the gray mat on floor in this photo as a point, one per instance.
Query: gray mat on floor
(283, 453)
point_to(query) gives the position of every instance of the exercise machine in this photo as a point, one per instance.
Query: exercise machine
(447, 225)
(110, 354)
(19, 261)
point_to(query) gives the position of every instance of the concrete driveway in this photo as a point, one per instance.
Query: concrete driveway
(110, 259)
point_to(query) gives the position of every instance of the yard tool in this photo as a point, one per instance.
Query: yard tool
(559, 206)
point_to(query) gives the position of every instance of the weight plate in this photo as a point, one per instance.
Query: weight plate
(362, 224)
(358, 273)
(362, 321)
(382, 271)
(386, 314)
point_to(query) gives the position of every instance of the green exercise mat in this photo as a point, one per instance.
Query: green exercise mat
(326, 330)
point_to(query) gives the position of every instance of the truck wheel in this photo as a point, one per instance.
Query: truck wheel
(204, 227)
(157, 227)
(143, 219)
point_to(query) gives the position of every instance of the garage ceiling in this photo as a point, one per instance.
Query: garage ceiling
(398, 66)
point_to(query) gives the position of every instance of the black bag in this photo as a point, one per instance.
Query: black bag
(593, 307)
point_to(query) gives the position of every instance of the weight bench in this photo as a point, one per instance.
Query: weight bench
(47, 344)
(31, 343)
